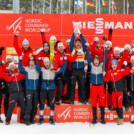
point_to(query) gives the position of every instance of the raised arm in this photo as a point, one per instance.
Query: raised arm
(110, 34)
(16, 45)
(88, 56)
(38, 67)
(105, 58)
(43, 36)
(72, 42)
(21, 69)
(83, 42)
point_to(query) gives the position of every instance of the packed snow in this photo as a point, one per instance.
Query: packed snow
(64, 128)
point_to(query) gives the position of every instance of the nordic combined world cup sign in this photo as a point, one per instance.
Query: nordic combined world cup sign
(62, 26)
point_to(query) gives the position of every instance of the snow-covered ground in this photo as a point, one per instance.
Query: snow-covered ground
(65, 128)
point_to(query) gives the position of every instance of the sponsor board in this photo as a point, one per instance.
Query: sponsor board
(77, 113)
(10, 50)
(74, 113)
(62, 27)
(111, 116)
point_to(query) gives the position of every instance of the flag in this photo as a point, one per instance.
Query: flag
(113, 4)
(102, 2)
(89, 3)
(128, 5)
(79, 3)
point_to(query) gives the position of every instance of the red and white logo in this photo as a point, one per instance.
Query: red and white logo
(65, 113)
(15, 26)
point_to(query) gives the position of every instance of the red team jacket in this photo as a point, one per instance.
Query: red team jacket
(13, 81)
(59, 59)
(116, 78)
(120, 60)
(21, 52)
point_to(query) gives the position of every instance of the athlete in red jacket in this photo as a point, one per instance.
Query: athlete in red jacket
(13, 80)
(58, 62)
(26, 51)
(97, 49)
(115, 75)
(46, 49)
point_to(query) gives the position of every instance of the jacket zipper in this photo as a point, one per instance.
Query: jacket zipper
(16, 83)
(96, 75)
(114, 83)
(132, 82)
(48, 79)
(34, 81)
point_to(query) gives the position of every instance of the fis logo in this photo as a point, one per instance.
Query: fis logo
(65, 114)
(16, 25)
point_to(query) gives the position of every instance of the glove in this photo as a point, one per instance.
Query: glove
(96, 39)
(87, 44)
(110, 31)
(105, 46)
(21, 57)
(125, 63)
(104, 74)
(42, 30)
(39, 59)
(53, 70)
(77, 31)
(1, 49)
(104, 38)
(65, 58)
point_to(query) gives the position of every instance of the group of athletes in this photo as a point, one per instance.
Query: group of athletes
(35, 79)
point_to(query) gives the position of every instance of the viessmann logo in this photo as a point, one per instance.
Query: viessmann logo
(99, 25)
(15, 26)
(65, 113)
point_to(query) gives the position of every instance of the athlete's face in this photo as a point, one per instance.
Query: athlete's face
(108, 46)
(96, 62)
(26, 46)
(117, 53)
(114, 66)
(132, 62)
(78, 44)
(8, 61)
(12, 68)
(47, 64)
(32, 63)
(46, 49)
(61, 49)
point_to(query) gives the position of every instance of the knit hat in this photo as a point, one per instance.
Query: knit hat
(114, 61)
(77, 39)
(109, 42)
(31, 59)
(9, 57)
(12, 63)
(46, 59)
(96, 57)
(60, 45)
(116, 49)
(127, 46)
(46, 44)
(25, 42)
(68, 40)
